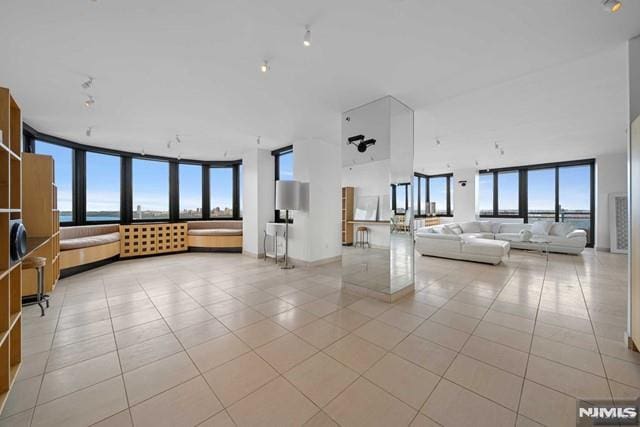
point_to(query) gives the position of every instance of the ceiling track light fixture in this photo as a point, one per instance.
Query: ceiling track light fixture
(90, 101)
(265, 66)
(87, 84)
(178, 140)
(307, 36)
(612, 5)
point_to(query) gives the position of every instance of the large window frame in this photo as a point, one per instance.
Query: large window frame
(126, 191)
(423, 189)
(523, 196)
(276, 158)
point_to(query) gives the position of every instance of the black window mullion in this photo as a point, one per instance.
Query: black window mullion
(80, 187)
(495, 194)
(449, 195)
(126, 191)
(174, 192)
(523, 202)
(206, 199)
(236, 191)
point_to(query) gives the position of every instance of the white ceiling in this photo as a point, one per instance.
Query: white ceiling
(192, 67)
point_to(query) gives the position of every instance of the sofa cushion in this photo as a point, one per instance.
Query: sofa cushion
(447, 230)
(509, 237)
(487, 226)
(478, 235)
(471, 227)
(210, 225)
(561, 229)
(87, 231)
(485, 247)
(88, 241)
(455, 228)
(216, 232)
(512, 227)
(541, 228)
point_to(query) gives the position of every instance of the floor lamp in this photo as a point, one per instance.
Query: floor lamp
(287, 199)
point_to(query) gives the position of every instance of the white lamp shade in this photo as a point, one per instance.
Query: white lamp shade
(288, 195)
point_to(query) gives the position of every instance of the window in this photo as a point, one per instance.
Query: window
(63, 158)
(509, 193)
(438, 194)
(221, 192)
(416, 194)
(103, 187)
(485, 194)
(423, 196)
(150, 183)
(541, 194)
(190, 190)
(574, 198)
(400, 197)
(284, 171)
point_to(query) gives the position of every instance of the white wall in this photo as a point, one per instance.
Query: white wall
(611, 177)
(315, 234)
(465, 198)
(257, 198)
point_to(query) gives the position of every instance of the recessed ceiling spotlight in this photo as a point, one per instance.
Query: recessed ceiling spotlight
(448, 165)
(88, 131)
(265, 66)
(258, 141)
(438, 141)
(90, 101)
(502, 151)
(496, 145)
(169, 144)
(142, 152)
(179, 156)
(225, 154)
(87, 84)
(307, 37)
(612, 5)
(477, 164)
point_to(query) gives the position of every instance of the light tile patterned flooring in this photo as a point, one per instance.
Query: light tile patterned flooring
(222, 339)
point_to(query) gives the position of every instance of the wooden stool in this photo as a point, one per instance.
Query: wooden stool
(37, 263)
(360, 236)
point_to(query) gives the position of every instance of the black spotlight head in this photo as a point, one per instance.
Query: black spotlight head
(355, 138)
(362, 147)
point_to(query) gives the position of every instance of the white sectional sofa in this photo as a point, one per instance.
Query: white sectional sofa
(490, 242)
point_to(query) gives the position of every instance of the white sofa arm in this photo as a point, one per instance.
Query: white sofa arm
(577, 234)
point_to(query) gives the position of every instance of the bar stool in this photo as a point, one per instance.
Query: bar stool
(37, 263)
(361, 232)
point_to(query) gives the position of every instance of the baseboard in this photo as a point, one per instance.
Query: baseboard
(601, 249)
(316, 263)
(252, 255)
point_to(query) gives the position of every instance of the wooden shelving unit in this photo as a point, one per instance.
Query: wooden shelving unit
(41, 218)
(10, 273)
(347, 215)
(153, 238)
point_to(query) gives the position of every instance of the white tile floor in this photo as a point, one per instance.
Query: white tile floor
(221, 339)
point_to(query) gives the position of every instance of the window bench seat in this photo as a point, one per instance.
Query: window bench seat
(215, 234)
(86, 244)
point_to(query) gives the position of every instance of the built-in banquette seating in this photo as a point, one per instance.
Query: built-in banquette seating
(86, 244)
(215, 234)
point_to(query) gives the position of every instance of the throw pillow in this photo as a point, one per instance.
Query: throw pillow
(470, 227)
(455, 228)
(525, 235)
(447, 230)
(541, 227)
(561, 229)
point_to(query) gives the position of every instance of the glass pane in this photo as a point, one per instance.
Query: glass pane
(150, 189)
(438, 194)
(542, 194)
(103, 187)
(285, 171)
(401, 201)
(508, 193)
(221, 192)
(240, 183)
(190, 178)
(485, 194)
(575, 197)
(63, 166)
